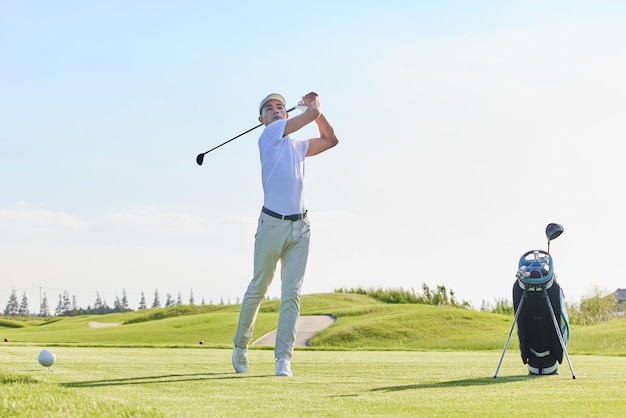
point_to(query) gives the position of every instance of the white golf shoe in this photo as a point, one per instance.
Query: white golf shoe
(283, 367)
(240, 359)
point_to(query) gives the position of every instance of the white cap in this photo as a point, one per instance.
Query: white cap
(273, 96)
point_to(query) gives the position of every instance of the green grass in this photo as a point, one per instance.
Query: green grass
(375, 360)
(95, 381)
(362, 324)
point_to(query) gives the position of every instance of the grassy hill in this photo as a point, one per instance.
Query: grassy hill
(363, 323)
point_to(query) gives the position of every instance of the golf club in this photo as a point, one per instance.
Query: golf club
(553, 231)
(200, 157)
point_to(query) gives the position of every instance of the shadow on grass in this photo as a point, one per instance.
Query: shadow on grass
(481, 381)
(149, 380)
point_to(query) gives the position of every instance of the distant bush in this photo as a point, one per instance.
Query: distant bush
(428, 297)
(503, 306)
(597, 306)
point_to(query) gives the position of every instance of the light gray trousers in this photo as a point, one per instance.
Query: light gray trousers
(287, 241)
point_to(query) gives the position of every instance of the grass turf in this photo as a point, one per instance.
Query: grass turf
(376, 360)
(95, 381)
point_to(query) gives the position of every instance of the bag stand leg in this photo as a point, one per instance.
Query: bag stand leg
(508, 340)
(558, 332)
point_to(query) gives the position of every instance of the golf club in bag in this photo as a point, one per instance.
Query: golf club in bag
(540, 314)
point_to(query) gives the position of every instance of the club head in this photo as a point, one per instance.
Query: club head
(553, 231)
(200, 159)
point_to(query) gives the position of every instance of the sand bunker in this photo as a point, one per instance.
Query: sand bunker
(103, 324)
(308, 326)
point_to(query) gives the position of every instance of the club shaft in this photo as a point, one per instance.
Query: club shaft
(232, 139)
(241, 134)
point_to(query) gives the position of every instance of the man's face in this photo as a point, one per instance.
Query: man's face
(272, 110)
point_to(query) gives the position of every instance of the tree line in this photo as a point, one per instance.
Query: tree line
(69, 307)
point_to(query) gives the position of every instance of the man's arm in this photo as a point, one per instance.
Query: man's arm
(311, 113)
(326, 140)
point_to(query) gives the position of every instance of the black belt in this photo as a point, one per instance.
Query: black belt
(273, 214)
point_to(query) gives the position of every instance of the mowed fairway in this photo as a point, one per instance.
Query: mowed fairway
(200, 382)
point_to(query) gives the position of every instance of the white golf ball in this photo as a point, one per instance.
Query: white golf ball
(46, 358)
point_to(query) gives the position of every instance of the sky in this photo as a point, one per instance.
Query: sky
(464, 129)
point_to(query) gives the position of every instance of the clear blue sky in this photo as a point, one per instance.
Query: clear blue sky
(464, 127)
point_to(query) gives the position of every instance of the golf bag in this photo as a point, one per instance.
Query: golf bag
(539, 306)
(538, 302)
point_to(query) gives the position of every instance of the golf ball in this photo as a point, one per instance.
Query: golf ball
(46, 358)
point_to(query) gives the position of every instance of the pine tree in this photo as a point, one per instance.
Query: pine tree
(142, 302)
(75, 307)
(23, 309)
(117, 305)
(44, 309)
(67, 305)
(124, 305)
(59, 309)
(157, 302)
(191, 300)
(13, 306)
(98, 305)
(169, 301)
(179, 301)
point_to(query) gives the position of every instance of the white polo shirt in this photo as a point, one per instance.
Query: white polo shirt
(282, 169)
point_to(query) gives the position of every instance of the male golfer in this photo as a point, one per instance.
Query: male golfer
(283, 229)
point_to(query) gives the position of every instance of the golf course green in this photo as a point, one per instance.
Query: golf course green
(376, 359)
